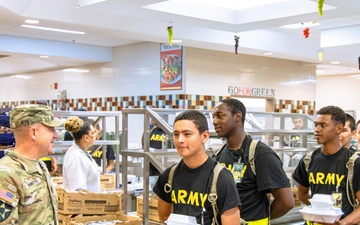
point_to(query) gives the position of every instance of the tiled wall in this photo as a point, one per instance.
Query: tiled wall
(291, 106)
(202, 102)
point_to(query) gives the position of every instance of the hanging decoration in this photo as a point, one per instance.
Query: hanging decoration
(306, 32)
(320, 6)
(236, 38)
(320, 54)
(170, 34)
(359, 62)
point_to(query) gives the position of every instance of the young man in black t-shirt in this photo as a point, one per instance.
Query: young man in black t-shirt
(349, 132)
(327, 172)
(228, 120)
(193, 177)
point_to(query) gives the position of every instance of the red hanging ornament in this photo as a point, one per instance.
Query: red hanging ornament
(236, 38)
(306, 32)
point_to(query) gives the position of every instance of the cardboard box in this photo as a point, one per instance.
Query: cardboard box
(107, 181)
(153, 207)
(57, 181)
(295, 193)
(81, 219)
(75, 202)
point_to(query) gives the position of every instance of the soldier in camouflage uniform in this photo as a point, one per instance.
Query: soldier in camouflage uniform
(27, 196)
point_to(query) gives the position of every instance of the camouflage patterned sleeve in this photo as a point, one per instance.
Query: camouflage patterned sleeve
(8, 203)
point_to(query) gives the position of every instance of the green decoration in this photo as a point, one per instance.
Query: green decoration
(170, 34)
(320, 6)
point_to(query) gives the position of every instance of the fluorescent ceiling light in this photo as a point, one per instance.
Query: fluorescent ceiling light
(176, 41)
(298, 82)
(268, 53)
(300, 25)
(22, 77)
(44, 56)
(335, 63)
(74, 70)
(53, 29)
(32, 21)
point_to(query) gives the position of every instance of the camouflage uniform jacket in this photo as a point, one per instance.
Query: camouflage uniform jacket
(27, 195)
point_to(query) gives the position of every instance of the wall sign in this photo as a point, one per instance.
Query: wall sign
(171, 67)
(251, 91)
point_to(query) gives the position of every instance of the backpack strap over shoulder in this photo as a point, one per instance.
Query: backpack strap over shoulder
(168, 185)
(307, 160)
(349, 183)
(252, 148)
(213, 196)
(217, 152)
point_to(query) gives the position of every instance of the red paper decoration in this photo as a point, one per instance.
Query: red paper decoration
(306, 32)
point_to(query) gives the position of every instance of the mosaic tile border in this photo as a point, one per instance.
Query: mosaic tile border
(176, 101)
(295, 106)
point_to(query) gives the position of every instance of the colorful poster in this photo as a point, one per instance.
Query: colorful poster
(171, 67)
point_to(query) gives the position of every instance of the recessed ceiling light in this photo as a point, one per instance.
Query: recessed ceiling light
(335, 63)
(74, 70)
(300, 25)
(32, 21)
(268, 53)
(53, 29)
(44, 56)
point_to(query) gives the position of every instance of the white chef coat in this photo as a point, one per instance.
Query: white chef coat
(80, 171)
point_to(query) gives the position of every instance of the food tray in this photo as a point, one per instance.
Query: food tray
(316, 215)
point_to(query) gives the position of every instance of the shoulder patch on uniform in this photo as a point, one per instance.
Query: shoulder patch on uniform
(6, 195)
(5, 210)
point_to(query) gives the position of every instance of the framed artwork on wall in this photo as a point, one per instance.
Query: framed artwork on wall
(171, 67)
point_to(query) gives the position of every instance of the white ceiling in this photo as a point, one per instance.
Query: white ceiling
(110, 23)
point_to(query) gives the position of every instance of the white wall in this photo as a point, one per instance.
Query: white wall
(212, 72)
(342, 91)
(135, 71)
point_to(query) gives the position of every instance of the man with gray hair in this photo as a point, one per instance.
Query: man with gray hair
(27, 195)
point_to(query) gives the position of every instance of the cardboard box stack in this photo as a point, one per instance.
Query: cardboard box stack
(115, 219)
(153, 204)
(75, 207)
(296, 197)
(75, 202)
(57, 181)
(107, 181)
